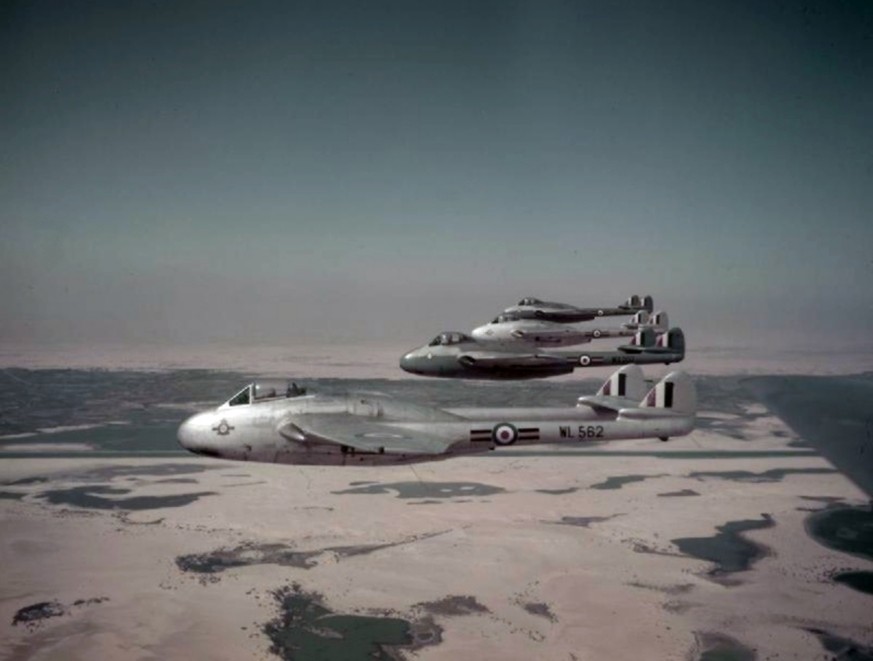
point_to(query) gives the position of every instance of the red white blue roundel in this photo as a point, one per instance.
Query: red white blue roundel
(584, 360)
(504, 434)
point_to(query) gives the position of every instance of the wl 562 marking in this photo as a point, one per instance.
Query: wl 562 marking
(589, 431)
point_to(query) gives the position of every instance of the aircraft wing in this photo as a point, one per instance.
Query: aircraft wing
(490, 360)
(833, 414)
(363, 434)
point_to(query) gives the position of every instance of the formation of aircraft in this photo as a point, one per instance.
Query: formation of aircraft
(282, 423)
(522, 343)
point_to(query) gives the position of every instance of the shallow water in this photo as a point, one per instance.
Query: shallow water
(728, 549)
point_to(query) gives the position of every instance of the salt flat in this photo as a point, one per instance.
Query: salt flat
(539, 552)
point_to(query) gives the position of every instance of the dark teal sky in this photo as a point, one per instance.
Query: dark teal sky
(180, 171)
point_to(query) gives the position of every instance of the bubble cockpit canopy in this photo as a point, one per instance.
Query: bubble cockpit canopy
(530, 301)
(259, 391)
(450, 338)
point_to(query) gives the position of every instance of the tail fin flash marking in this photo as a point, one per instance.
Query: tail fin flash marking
(622, 384)
(675, 392)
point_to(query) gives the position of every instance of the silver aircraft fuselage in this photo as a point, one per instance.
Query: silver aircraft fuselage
(267, 431)
(543, 333)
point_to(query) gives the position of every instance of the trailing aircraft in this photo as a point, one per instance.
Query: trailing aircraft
(456, 355)
(543, 333)
(279, 423)
(534, 308)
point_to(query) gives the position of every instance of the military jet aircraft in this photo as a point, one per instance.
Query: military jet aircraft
(541, 333)
(459, 356)
(273, 423)
(534, 308)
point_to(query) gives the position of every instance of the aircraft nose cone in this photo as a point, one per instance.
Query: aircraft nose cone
(411, 362)
(192, 433)
(406, 362)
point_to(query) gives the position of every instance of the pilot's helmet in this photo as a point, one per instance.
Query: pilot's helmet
(294, 390)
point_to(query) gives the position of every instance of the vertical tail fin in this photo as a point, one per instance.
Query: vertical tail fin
(643, 338)
(633, 302)
(640, 319)
(673, 339)
(675, 392)
(627, 382)
(648, 303)
(658, 321)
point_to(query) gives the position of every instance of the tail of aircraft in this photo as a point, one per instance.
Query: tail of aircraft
(627, 382)
(633, 302)
(640, 318)
(639, 303)
(675, 392)
(643, 339)
(673, 340)
(658, 321)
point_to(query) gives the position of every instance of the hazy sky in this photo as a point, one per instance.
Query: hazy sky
(268, 172)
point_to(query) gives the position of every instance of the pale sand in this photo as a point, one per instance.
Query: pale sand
(610, 600)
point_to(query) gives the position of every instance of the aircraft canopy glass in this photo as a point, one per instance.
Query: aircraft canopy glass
(530, 301)
(448, 339)
(242, 397)
(264, 390)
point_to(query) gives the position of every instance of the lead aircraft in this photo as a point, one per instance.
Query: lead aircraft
(281, 423)
(534, 308)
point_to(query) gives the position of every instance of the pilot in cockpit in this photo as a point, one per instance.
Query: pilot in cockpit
(294, 390)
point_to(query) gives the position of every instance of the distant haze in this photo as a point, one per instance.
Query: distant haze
(268, 173)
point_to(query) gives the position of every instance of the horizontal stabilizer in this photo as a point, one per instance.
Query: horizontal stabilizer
(641, 340)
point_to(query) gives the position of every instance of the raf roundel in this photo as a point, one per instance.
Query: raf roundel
(584, 361)
(504, 434)
(597, 333)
